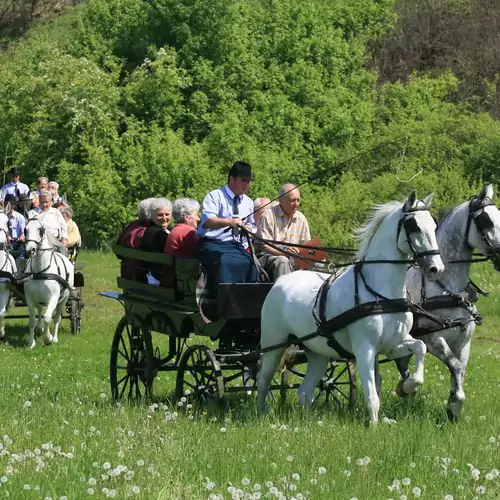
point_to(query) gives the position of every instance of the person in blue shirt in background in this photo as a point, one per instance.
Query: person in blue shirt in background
(220, 248)
(17, 223)
(15, 187)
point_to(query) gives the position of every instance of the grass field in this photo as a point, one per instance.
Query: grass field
(62, 437)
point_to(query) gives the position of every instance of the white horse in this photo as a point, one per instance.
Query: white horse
(49, 281)
(472, 225)
(394, 231)
(8, 269)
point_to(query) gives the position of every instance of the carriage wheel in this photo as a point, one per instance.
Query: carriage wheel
(338, 385)
(76, 316)
(131, 363)
(199, 377)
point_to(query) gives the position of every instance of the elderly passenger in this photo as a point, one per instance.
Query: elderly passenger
(53, 222)
(54, 191)
(285, 223)
(156, 235)
(42, 184)
(74, 237)
(182, 239)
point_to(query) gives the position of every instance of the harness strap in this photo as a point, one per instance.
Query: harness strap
(51, 276)
(477, 289)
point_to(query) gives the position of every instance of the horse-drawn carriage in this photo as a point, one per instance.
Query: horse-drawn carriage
(74, 305)
(226, 358)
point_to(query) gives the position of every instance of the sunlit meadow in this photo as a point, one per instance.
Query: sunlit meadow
(62, 437)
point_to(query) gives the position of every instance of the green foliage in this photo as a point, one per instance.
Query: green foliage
(159, 97)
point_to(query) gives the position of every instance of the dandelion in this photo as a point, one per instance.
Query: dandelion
(106, 465)
(475, 474)
(223, 429)
(27, 404)
(136, 490)
(314, 481)
(273, 465)
(245, 481)
(3, 479)
(413, 465)
(492, 439)
(273, 490)
(92, 481)
(103, 396)
(481, 490)
(295, 477)
(256, 496)
(210, 485)
(321, 470)
(69, 455)
(416, 491)
(90, 491)
(347, 473)
(403, 497)
(290, 458)
(258, 487)
(26, 487)
(489, 476)
(140, 463)
(359, 461)
(448, 497)
(406, 481)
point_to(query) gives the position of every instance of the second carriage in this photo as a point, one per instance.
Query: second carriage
(210, 359)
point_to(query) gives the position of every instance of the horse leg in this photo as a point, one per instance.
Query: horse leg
(269, 362)
(4, 302)
(39, 324)
(417, 347)
(378, 378)
(439, 348)
(316, 368)
(403, 366)
(32, 321)
(366, 357)
(57, 319)
(47, 317)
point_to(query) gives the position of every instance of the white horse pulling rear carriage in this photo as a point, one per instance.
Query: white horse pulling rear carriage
(51, 279)
(394, 232)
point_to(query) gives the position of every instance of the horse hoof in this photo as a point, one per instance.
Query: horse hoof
(48, 340)
(399, 389)
(55, 340)
(31, 345)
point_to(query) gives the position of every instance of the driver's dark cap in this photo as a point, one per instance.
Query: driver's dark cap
(15, 171)
(241, 169)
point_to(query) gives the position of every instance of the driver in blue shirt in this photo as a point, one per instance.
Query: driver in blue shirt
(220, 248)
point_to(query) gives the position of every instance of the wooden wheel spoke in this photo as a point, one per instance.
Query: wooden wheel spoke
(126, 355)
(127, 378)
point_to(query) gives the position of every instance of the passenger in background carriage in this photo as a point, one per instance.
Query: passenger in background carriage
(42, 184)
(74, 237)
(53, 222)
(220, 250)
(285, 223)
(54, 191)
(182, 239)
(155, 239)
(17, 223)
(15, 187)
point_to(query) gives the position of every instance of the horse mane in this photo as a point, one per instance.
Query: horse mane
(447, 212)
(378, 214)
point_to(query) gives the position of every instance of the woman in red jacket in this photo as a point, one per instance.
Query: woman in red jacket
(182, 239)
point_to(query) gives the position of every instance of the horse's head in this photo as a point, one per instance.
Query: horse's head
(4, 226)
(35, 232)
(417, 235)
(483, 226)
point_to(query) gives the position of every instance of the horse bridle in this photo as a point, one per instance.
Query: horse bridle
(410, 225)
(41, 232)
(483, 223)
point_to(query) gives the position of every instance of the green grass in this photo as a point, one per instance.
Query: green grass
(59, 429)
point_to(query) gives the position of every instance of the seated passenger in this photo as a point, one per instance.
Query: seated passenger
(53, 222)
(285, 223)
(220, 251)
(155, 239)
(42, 185)
(54, 191)
(131, 237)
(16, 225)
(74, 237)
(182, 239)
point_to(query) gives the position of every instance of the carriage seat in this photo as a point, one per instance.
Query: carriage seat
(179, 275)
